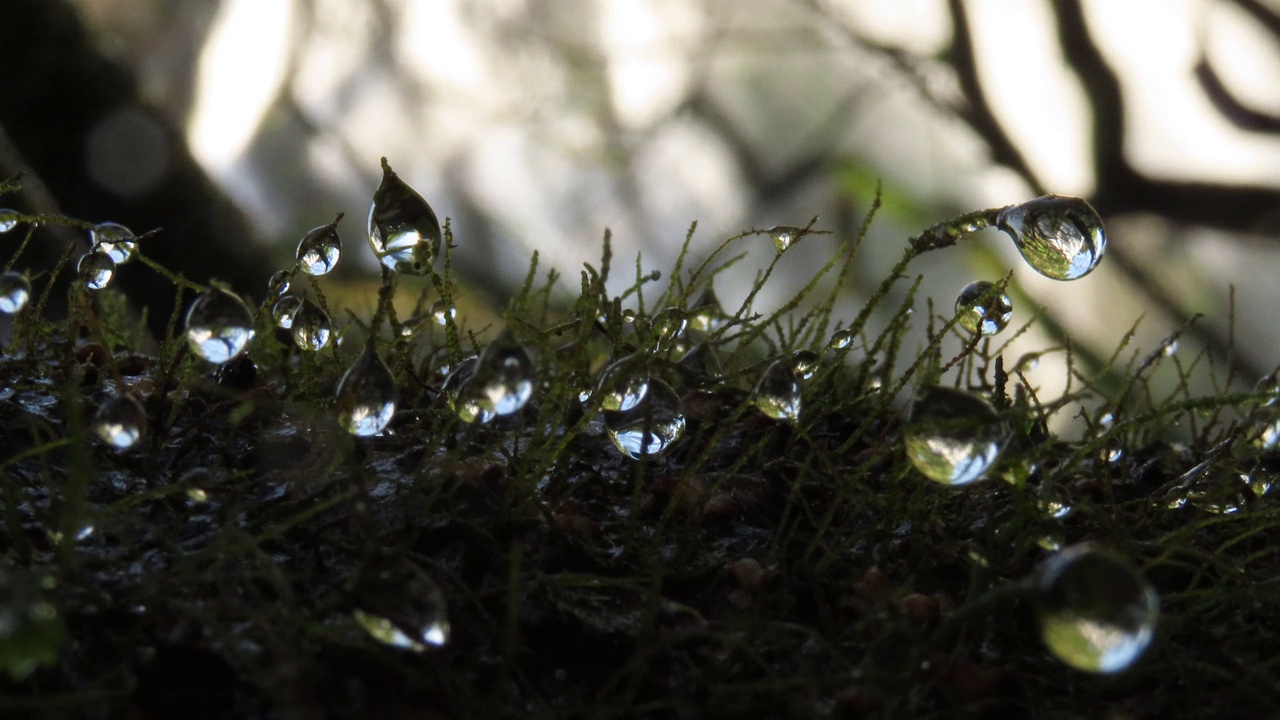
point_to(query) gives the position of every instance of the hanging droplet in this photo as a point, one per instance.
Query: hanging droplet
(840, 339)
(623, 384)
(469, 406)
(981, 308)
(1096, 613)
(15, 291)
(707, 315)
(805, 363)
(400, 606)
(96, 268)
(278, 284)
(784, 236)
(31, 630)
(1060, 237)
(649, 427)
(115, 240)
(310, 327)
(367, 395)
(8, 220)
(219, 326)
(778, 392)
(121, 422)
(319, 249)
(442, 312)
(403, 230)
(503, 375)
(953, 437)
(285, 310)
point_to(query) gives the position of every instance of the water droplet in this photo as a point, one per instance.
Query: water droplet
(1095, 612)
(1171, 349)
(1055, 501)
(983, 309)
(499, 382)
(115, 240)
(121, 422)
(623, 384)
(285, 310)
(805, 363)
(667, 325)
(784, 236)
(8, 220)
(840, 339)
(219, 326)
(96, 268)
(400, 606)
(15, 291)
(651, 425)
(442, 312)
(953, 437)
(403, 230)
(1060, 237)
(310, 327)
(319, 249)
(468, 406)
(278, 285)
(367, 395)
(778, 392)
(707, 315)
(628, 316)
(31, 631)
(1114, 455)
(197, 495)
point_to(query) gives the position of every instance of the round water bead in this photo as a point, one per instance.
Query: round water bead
(96, 268)
(470, 407)
(1096, 613)
(805, 363)
(219, 326)
(983, 309)
(1060, 237)
(367, 395)
(840, 339)
(707, 315)
(15, 291)
(278, 284)
(8, 220)
(442, 312)
(624, 384)
(784, 236)
(402, 607)
(285, 310)
(310, 327)
(953, 437)
(649, 427)
(115, 240)
(778, 392)
(668, 325)
(121, 422)
(319, 249)
(403, 230)
(499, 382)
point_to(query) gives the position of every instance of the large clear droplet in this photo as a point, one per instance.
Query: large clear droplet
(403, 230)
(120, 422)
(1060, 237)
(319, 249)
(1096, 613)
(778, 392)
(8, 220)
(15, 291)
(624, 384)
(310, 327)
(470, 407)
(805, 363)
(96, 268)
(115, 240)
(983, 309)
(400, 606)
(219, 326)
(668, 325)
(504, 375)
(840, 339)
(649, 427)
(285, 310)
(707, 315)
(278, 284)
(953, 437)
(367, 395)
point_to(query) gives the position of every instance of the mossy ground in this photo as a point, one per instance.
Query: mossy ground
(758, 568)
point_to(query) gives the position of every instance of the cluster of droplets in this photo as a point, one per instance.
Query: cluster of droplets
(110, 245)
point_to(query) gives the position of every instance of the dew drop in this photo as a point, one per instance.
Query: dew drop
(1095, 612)
(96, 268)
(115, 240)
(311, 328)
(953, 437)
(784, 236)
(981, 308)
(15, 291)
(278, 285)
(403, 230)
(628, 316)
(1055, 502)
(319, 249)
(778, 392)
(367, 395)
(120, 422)
(8, 220)
(624, 384)
(805, 363)
(499, 382)
(1060, 237)
(400, 606)
(468, 406)
(667, 326)
(442, 312)
(650, 426)
(707, 315)
(285, 310)
(219, 326)
(840, 339)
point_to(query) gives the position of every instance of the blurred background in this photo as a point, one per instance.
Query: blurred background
(238, 125)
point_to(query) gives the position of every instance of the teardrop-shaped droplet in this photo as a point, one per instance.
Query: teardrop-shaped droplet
(403, 230)
(442, 312)
(319, 249)
(470, 407)
(649, 427)
(219, 326)
(115, 240)
(805, 363)
(278, 284)
(503, 375)
(707, 315)
(285, 310)
(310, 327)
(120, 422)
(952, 436)
(8, 220)
(778, 392)
(1060, 237)
(15, 291)
(623, 384)
(400, 606)
(981, 308)
(784, 236)
(96, 268)
(840, 339)
(367, 395)
(1096, 613)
